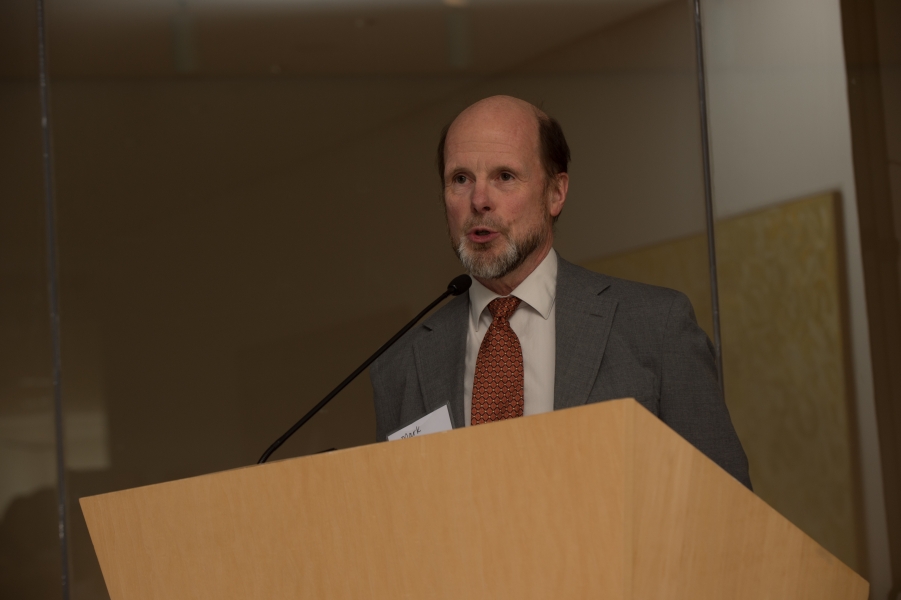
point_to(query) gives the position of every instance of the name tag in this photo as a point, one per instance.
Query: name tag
(436, 421)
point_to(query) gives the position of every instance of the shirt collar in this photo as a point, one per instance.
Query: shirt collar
(538, 290)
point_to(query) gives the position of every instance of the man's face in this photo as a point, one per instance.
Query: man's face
(497, 199)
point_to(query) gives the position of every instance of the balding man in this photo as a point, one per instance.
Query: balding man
(536, 333)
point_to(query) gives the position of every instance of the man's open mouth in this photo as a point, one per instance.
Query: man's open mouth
(481, 235)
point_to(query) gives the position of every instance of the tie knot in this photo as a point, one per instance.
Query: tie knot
(502, 308)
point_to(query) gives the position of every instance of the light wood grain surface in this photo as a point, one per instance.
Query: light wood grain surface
(602, 501)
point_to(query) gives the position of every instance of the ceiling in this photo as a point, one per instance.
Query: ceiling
(276, 38)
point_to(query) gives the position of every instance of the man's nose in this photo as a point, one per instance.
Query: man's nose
(481, 198)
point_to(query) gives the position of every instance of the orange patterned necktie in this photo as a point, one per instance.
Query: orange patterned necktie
(497, 388)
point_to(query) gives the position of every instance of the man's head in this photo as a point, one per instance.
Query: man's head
(503, 164)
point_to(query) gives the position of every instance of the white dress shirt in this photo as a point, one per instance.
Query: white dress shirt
(534, 325)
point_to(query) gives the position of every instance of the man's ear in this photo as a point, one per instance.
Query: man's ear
(557, 193)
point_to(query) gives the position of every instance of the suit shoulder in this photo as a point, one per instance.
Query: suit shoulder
(625, 291)
(448, 315)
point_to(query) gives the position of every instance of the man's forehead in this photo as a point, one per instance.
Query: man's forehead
(486, 157)
(507, 105)
(482, 140)
(494, 129)
(498, 117)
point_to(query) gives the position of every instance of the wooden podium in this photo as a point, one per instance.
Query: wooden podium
(601, 501)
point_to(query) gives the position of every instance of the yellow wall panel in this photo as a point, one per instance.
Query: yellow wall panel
(680, 265)
(785, 354)
(786, 366)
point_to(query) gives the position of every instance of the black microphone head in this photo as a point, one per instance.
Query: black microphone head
(459, 285)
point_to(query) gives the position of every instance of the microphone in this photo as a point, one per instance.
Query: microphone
(457, 286)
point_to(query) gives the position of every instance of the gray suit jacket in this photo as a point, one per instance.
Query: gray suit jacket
(615, 339)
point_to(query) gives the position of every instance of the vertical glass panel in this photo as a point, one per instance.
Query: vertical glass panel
(249, 204)
(790, 278)
(29, 533)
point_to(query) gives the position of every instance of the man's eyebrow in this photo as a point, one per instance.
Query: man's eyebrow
(452, 169)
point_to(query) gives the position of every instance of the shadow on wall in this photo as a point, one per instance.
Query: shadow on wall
(283, 379)
(29, 548)
(785, 356)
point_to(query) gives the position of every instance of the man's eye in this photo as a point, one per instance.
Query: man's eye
(506, 176)
(460, 179)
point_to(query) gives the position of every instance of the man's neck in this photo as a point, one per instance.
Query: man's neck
(503, 286)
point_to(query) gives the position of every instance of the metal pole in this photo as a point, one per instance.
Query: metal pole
(53, 293)
(708, 190)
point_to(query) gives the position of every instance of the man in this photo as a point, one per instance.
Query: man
(536, 333)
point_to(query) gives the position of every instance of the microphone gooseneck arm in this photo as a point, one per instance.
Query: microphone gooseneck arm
(456, 287)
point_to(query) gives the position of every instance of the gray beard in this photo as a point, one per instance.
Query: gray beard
(479, 263)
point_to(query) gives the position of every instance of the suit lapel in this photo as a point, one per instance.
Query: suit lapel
(584, 317)
(440, 358)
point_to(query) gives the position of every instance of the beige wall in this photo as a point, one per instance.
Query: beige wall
(779, 130)
(223, 216)
(231, 247)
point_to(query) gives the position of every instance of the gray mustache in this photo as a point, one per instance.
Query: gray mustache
(484, 222)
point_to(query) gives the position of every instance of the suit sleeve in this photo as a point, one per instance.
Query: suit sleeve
(691, 399)
(381, 393)
(391, 379)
